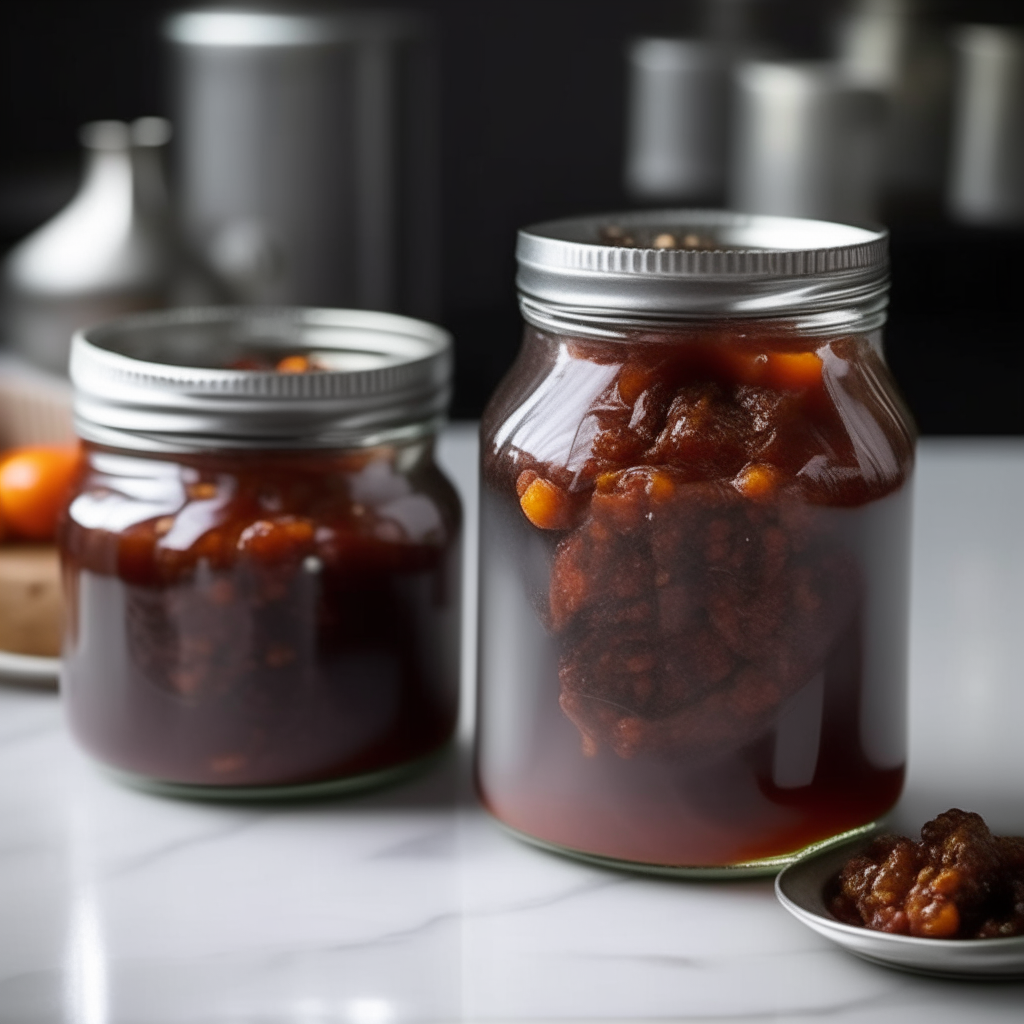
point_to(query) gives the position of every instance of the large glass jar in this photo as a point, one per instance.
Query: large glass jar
(694, 543)
(262, 558)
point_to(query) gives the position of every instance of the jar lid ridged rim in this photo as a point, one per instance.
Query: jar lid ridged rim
(140, 383)
(738, 263)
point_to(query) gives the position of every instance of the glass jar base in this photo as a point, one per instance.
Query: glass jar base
(349, 785)
(748, 869)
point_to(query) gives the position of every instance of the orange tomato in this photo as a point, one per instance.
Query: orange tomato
(35, 483)
(3, 526)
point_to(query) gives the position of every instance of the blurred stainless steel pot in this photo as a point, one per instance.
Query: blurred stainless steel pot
(806, 142)
(308, 155)
(110, 251)
(987, 171)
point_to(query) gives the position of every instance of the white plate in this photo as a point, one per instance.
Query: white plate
(27, 670)
(800, 889)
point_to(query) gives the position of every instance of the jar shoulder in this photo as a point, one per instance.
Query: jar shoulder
(229, 507)
(822, 416)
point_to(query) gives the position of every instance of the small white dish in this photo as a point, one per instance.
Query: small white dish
(800, 889)
(28, 670)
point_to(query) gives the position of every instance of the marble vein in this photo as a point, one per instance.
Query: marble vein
(436, 921)
(141, 861)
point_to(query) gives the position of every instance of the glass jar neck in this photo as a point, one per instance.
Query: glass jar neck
(406, 454)
(157, 443)
(863, 315)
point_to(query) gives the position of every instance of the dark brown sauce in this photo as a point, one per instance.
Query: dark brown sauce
(261, 619)
(701, 542)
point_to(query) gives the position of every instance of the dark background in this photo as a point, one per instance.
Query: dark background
(533, 108)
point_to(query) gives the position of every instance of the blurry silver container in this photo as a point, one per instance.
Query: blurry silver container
(900, 48)
(308, 155)
(110, 251)
(987, 167)
(677, 120)
(806, 142)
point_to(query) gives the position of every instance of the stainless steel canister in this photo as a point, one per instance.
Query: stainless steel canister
(677, 120)
(900, 49)
(987, 173)
(308, 162)
(806, 142)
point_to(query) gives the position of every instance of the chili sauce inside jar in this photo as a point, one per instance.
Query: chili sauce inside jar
(262, 559)
(694, 544)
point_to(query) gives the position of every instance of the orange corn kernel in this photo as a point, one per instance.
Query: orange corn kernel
(660, 487)
(546, 505)
(756, 480)
(796, 370)
(293, 364)
(940, 921)
(947, 882)
(203, 491)
(634, 379)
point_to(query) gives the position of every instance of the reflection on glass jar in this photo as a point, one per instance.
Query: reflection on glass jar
(258, 616)
(694, 547)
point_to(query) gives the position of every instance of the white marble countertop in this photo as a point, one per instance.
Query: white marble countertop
(411, 904)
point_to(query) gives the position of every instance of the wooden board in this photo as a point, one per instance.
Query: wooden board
(31, 606)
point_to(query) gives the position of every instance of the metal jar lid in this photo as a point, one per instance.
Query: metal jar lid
(158, 382)
(688, 264)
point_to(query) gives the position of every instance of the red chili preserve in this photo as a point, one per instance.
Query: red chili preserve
(694, 543)
(262, 558)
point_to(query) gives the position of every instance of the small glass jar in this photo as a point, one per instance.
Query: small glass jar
(262, 559)
(695, 517)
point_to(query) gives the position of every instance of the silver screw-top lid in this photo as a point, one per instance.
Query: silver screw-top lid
(682, 264)
(164, 382)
